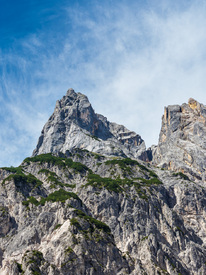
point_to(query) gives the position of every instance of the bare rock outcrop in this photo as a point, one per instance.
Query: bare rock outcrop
(92, 214)
(182, 140)
(74, 124)
(85, 203)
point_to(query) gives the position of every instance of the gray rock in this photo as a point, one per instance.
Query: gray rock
(182, 140)
(83, 212)
(74, 124)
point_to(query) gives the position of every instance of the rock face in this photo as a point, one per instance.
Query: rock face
(91, 214)
(182, 140)
(70, 210)
(74, 124)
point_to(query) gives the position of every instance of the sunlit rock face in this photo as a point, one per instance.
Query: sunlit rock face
(87, 203)
(182, 140)
(74, 124)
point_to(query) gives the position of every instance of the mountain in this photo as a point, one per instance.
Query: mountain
(182, 140)
(74, 124)
(92, 200)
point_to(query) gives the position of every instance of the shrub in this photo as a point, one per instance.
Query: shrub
(181, 175)
(24, 179)
(60, 195)
(98, 224)
(109, 183)
(58, 161)
(150, 181)
(15, 170)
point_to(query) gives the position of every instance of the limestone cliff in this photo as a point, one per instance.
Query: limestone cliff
(182, 140)
(70, 209)
(74, 124)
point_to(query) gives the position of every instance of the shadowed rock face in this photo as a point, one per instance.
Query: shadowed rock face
(74, 124)
(182, 140)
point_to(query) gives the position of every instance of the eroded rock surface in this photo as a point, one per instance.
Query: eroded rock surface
(92, 214)
(182, 140)
(71, 210)
(74, 124)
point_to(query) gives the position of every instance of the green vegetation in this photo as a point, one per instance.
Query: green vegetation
(123, 163)
(47, 172)
(15, 170)
(57, 226)
(126, 163)
(19, 266)
(98, 224)
(58, 196)
(109, 183)
(144, 238)
(118, 185)
(150, 181)
(3, 211)
(69, 250)
(58, 161)
(20, 178)
(35, 257)
(179, 229)
(31, 200)
(75, 223)
(23, 179)
(96, 138)
(181, 175)
(53, 178)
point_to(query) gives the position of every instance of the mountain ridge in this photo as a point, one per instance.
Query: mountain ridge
(74, 124)
(93, 200)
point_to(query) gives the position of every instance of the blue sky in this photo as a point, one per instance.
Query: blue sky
(131, 58)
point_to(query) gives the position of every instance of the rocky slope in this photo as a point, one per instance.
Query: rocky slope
(67, 210)
(74, 124)
(182, 140)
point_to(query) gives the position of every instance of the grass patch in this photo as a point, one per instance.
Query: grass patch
(123, 163)
(75, 223)
(31, 200)
(19, 267)
(118, 185)
(15, 170)
(109, 183)
(69, 250)
(58, 196)
(58, 161)
(151, 181)
(181, 175)
(53, 179)
(144, 238)
(126, 163)
(23, 179)
(98, 224)
(57, 226)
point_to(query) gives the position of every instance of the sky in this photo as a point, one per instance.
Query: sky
(131, 58)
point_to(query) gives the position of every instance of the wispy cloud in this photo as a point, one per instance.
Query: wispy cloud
(130, 60)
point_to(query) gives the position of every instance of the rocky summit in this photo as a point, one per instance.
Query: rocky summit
(74, 124)
(92, 200)
(182, 140)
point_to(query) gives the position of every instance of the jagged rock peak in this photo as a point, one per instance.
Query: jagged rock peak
(74, 124)
(182, 139)
(71, 92)
(193, 103)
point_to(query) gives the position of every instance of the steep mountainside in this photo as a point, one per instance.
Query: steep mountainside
(74, 124)
(70, 210)
(182, 140)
